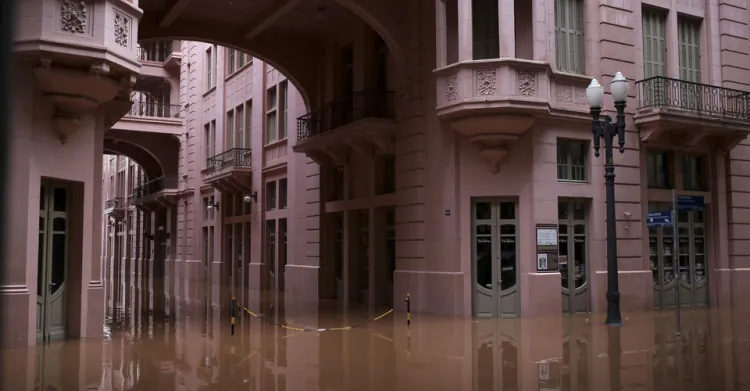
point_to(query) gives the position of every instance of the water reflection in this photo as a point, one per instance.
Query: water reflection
(195, 351)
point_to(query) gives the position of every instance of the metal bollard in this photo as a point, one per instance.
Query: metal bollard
(408, 309)
(231, 313)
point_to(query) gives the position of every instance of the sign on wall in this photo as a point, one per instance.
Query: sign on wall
(546, 248)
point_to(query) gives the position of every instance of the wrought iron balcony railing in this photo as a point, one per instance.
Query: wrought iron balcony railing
(155, 186)
(158, 110)
(157, 51)
(235, 157)
(701, 99)
(363, 104)
(112, 203)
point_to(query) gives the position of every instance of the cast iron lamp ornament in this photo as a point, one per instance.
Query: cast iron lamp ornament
(602, 127)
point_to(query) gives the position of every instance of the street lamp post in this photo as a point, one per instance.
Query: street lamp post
(602, 127)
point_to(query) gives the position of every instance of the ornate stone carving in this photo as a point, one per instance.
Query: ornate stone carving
(526, 83)
(451, 87)
(122, 29)
(564, 94)
(73, 16)
(486, 82)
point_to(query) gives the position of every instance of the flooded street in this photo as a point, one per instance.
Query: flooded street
(194, 350)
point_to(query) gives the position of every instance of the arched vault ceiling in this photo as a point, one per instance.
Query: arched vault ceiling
(288, 34)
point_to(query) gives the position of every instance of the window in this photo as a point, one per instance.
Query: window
(569, 35)
(283, 103)
(654, 43)
(659, 170)
(271, 248)
(230, 130)
(241, 60)
(282, 245)
(271, 115)
(282, 193)
(692, 173)
(484, 27)
(205, 208)
(207, 150)
(231, 53)
(210, 67)
(571, 160)
(239, 131)
(689, 49)
(271, 195)
(206, 246)
(248, 124)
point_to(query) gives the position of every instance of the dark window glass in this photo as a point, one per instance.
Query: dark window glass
(271, 195)
(60, 200)
(483, 211)
(507, 262)
(40, 265)
(58, 224)
(58, 261)
(507, 210)
(282, 193)
(484, 259)
(42, 199)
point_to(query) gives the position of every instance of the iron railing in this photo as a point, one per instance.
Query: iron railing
(157, 51)
(112, 203)
(235, 157)
(363, 104)
(158, 110)
(702, 99)
(155, 186)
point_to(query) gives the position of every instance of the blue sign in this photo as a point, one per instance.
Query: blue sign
(659, 219)
(691, 203)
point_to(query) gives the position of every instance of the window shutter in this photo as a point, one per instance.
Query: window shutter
(569, 35)
(688, 41)
(654, 44)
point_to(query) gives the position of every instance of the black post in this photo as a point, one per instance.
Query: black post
(231, 313)
(606, 130)
(408, 310)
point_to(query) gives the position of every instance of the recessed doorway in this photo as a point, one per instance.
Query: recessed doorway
(573, 255)
(495, 257)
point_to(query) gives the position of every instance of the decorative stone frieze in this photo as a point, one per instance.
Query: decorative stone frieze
(74, 16)
(451, 87)
(122, 29)
(526, 83)
(486, 80)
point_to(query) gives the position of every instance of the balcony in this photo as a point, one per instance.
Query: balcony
(116, 208)
(152, 117)
(362, 123)
(160, 53)
(230, 170)
(161, 192)
(476, 96)
(677, 112)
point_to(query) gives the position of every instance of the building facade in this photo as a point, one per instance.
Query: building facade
(435, 141)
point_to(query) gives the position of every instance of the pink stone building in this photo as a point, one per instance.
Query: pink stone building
(413, 146)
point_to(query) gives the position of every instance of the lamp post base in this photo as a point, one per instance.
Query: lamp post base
(613, 309)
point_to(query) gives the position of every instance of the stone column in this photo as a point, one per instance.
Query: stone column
(464, 30)
(507, 17)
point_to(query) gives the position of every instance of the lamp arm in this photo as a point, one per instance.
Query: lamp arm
(620, 125)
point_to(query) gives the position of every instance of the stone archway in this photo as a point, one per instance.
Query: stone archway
(157, 153)
(148, 163)
(296, 51)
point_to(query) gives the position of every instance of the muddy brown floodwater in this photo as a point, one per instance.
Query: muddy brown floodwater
(193, 350)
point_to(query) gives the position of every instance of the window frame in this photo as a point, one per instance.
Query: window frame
(283, 189)
(271, 133)
(668, 174)
(271, 196)
(485, 29)
(568, 143)
(573, 58)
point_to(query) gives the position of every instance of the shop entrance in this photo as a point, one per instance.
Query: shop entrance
(572, 258)
(52, 265)
(495, 257)
(691, 240)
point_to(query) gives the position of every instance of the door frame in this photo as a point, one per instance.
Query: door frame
(496, 261)
(44, 331)
(584, 289)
